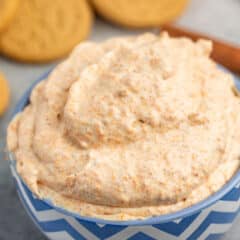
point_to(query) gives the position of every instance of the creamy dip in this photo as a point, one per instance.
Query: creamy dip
(130, 128)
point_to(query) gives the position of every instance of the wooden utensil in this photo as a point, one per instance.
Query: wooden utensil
(224, 53)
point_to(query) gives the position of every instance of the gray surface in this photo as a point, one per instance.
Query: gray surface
(217, 17)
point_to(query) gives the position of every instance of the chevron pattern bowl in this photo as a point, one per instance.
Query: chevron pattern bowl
(207, 220)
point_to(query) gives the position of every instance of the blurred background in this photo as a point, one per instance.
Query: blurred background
(215, 18)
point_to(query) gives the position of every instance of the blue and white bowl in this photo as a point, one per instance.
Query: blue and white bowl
(207, 220)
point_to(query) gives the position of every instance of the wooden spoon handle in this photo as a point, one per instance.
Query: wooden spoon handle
(223, 53)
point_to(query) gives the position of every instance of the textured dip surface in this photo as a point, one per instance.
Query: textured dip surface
(130, 128)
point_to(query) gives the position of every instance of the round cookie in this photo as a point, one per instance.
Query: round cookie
(46, 30)
(139, 13)
(4, 94)
(8, 9)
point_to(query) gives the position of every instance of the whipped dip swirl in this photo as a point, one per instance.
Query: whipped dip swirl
(130, 128)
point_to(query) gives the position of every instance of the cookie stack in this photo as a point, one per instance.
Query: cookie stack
(43, 30)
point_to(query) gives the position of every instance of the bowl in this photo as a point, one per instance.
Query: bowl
(206, 220)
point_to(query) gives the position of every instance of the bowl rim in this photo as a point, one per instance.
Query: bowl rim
(183, 213)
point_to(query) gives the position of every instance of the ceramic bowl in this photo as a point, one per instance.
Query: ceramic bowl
(207, 220)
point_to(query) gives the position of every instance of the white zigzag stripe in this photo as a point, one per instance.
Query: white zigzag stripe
(101, 225)
(226, 206)
(215, 228)
(79, 228)
(42, 216)
(59, 236)
(238, 185)
(221, 206)
(194, 225)
(177, 220)
(148, 230)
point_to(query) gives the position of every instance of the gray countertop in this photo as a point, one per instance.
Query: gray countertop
(219, 18)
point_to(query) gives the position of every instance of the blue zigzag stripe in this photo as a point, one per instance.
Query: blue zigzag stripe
(177, 228)
(214, 236)
(104, 232)
(39, 205)
(213, 217)
(233, 195)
